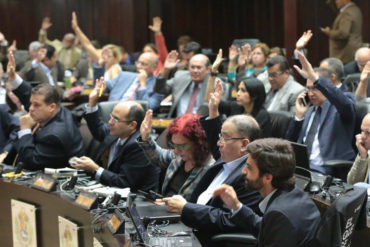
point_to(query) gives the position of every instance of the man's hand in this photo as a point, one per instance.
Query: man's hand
(157, 24)
(175, 204)
(216, 64)
(171, 60)
(233, 52)
(141, 76)
(74, 21)
(307, 70)
(85, 163)
(146, 126)
(303, 40)
(362, 151)
(3, 156)
(228, 196)
(245, 53)
(26, 122)
(326, 30)
(215, 99)
(46, 23)
(13, 47)
(300, 109)
(10, 68)
(365, 74)
(98, 89)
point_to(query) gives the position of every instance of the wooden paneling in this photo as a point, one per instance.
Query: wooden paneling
(214, 23)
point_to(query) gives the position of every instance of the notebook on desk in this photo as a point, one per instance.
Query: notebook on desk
(163, 240)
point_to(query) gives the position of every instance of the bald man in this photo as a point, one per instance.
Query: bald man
(188, 88)
(135, 86)
(120, 162)
(362, 56)
(359, 172)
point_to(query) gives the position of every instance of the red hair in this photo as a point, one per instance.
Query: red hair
(189, 126)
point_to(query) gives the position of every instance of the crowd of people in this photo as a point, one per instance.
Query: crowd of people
(222, 172)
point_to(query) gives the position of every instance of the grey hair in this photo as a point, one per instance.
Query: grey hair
(34, 46)
(246, 126)
(336, 66)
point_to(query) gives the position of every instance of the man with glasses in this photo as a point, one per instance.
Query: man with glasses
(326, 123)
(135, 86)
(228, 142)
(284, 90)
(120, 162)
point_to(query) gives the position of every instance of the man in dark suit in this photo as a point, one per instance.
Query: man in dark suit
(235, 134)
(362, 56)
(317, 124)
(335, 66)
(123, 161)
(9, 126)
(290, 217)
(48, 135)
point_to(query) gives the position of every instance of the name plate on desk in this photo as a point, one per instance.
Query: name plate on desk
(116, 223)
(87, 200)
(161, 122)
(44, 182)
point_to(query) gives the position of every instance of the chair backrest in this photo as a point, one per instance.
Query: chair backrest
(106, 108)
(340, 220)
(351, 81)
(279, 123)
(91, 145)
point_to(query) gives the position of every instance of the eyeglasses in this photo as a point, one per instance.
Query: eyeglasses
(224, 139)
(141, 63)
(179, 146)
(275, 75)
(116, 120)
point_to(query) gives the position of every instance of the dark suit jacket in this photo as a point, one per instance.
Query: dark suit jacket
(53, 144)
(210, 219)
(351, 68)
(9, 126)
(337, 123)
(291, 219)
(129, 168)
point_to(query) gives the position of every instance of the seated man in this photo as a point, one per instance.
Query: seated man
(284, 90)
(335, 66)
(317, 124)
(362, 56)
(290, 217)
(48, 136)
(9, 127)
(234, 136)
(135, 86)
(359, 173)
(125, 164)
(188, 88)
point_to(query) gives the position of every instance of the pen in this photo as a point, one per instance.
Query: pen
(101, 90)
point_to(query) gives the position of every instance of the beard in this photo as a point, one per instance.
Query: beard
(253, 184)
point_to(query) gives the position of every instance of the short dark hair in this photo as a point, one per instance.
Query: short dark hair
(50, 50)
(183, 40)
(278, 59)
(335, 66)
(152, 46)
(192, 46)
(136, 113)
(246, 126)
(276, 157)
(256, 91)
(51, 93)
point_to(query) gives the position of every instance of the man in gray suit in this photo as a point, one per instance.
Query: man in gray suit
(345, 36)
(188, 88)
(284, 90)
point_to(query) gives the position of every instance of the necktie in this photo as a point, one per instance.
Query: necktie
(313, 130)
(134, 93)
(193, 99)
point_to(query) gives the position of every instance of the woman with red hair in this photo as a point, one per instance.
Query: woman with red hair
(186, 161)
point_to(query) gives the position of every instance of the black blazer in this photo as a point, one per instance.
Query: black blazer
(9, 126)
(130, 167)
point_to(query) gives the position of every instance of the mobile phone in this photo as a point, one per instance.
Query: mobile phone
(305, 100)
(74, 160)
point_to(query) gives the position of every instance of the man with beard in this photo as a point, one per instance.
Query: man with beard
(270, 170)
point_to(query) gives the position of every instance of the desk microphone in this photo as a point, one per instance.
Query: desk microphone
(19, 167)
(327, 182)
(116, 198)
(107, 201)
(71, 184)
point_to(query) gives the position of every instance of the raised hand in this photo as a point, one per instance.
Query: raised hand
(10, 68)
(146, 126)
(97, 91)
(365, 74)
(233, 52)
(307, 70)
(157, 24)
(216, 64)
(74, 21)
(245, 53)
(171, 60)
(46, 23)
(303, 40)
(215, 99)
(13, 47)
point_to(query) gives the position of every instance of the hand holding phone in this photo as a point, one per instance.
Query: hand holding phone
(305, 100)
(74, 161)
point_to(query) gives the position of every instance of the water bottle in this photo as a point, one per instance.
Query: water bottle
(67, 78)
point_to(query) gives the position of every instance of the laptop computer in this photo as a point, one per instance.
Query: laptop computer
(166, 238)
(302, 171)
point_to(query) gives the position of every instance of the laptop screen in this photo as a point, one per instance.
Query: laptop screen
(301, 155)
(136, 221)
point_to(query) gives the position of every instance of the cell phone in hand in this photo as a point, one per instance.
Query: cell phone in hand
(305, 100)
(74, 160)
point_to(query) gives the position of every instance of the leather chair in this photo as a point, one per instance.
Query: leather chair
(351, 81)
(279, 123)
